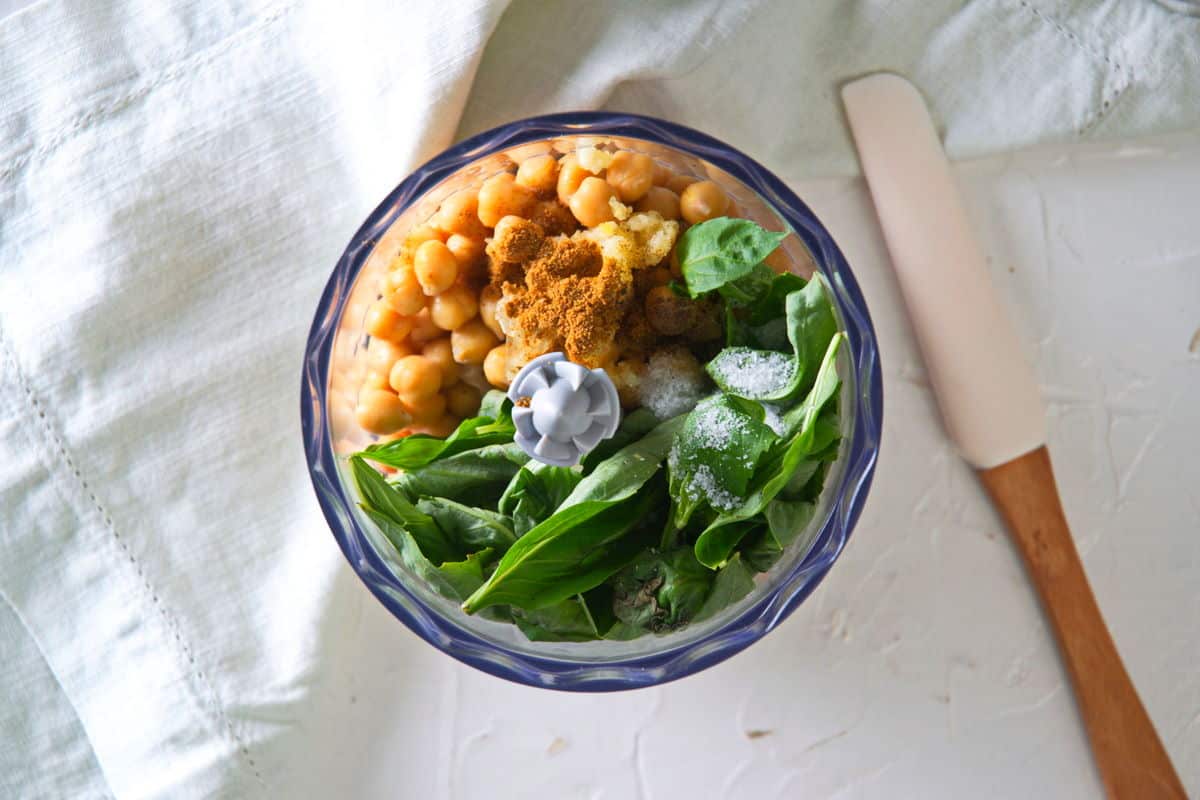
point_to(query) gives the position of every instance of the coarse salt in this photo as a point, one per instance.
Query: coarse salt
(668, 388)
(753, 372)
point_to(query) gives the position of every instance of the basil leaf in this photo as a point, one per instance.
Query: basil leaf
(573, 551)
(579, 542)
(386, 501)
(750, 288)
(773, 305)
(476, 476)
(634, 426)
(495, 404)
(717, 541)
(535, 492)
(577, 619)
(786, 522)
(454, 580)
(733, 582)
(420, 449)
(772, 376)
(715, 454)
(472, 528)
(722, 250)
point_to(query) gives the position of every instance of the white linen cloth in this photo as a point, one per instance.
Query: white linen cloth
(177, 180)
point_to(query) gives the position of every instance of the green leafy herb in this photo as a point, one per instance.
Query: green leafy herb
(750, 288)
(419, 449)
(733, 582)
(475, 476)
(715, 453)
(455, 580)
(634, 426)
(576, 548)
(717, 541)
(471, 528)
(786, 521)
(535, 492)
(382, 499)
(772, 376)
(721, 251)
(576, 619)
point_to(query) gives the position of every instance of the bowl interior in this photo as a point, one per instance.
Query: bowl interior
(339, 367)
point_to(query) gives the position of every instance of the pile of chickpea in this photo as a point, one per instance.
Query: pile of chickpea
(435, 341)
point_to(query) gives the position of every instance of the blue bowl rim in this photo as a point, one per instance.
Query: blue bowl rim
(670, 663)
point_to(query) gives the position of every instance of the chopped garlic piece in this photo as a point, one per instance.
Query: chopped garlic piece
(619, 209)
(593, 159)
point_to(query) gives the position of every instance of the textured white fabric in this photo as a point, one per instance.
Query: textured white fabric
(176, 181)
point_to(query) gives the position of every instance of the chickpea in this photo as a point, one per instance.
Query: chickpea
(554, 218)
(440, 353)
(472, 342)
(406, 296)
(778, 261)
(488, 299)
(459, 213)
(375, 379)
(702, 201)
(590, 204)
(436, 267)
(630, 175)
(500, 196)
(380, 411)
(677, 183)
(539, 174)
(659, 276)
(382, 354)
(415, 376)
(421, 234)
(463, 399)
(441, 427)
(424, 328)
(384, 323)
(424, 408)
(570, 176)
(453, 307)
(495, 366)
(667, 312)
(660, 199)
(516, 240)
(466, 251)
(662, 174)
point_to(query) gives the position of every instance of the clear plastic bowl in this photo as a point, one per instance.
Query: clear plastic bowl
(332, 364)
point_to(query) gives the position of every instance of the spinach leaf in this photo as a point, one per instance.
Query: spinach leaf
(722, 250)
(773, 305)
(454, 580)
(733, 582)
(420, 449)
(634, 426)
(471, 528)
(574, 550)
(477, 477)
(772, 376)
(535, 492)
(379, 497)
(579, 546)
(714, 455)
(717, 541)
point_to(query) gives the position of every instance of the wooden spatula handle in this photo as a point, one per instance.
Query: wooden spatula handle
(1131, 758)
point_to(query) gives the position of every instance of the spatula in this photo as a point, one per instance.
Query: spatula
(993, 412)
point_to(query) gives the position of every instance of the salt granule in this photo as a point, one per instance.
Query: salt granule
(754, 372)
(668, 389)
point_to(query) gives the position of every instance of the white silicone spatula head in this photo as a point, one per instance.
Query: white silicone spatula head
(984, 386)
